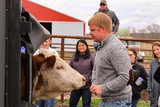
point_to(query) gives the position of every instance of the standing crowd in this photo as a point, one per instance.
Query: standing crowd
(113, 63)
(107, 72)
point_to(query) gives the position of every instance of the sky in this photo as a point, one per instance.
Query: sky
(131, 13)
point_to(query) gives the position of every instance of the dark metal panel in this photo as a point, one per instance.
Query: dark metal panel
(12, 52)
(2, 52)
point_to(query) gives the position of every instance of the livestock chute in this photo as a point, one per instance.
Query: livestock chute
(11, 31)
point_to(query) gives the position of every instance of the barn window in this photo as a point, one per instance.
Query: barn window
(47, 25)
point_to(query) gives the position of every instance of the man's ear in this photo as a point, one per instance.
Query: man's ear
(102, 29)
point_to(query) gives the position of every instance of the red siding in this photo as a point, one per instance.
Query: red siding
(45, 14)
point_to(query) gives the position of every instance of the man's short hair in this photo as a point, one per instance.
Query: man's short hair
(100, 19)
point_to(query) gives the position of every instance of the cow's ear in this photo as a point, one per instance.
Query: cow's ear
(50, 61)
(39, 82)
(39, 60)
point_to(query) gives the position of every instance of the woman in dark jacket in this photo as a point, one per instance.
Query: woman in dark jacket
(140, 77)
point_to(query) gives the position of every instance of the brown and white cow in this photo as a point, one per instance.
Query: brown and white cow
(52, 76)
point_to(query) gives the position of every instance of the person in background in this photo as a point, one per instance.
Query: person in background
(49, 102)
(110, 73)
(154, 86)
(140, 77)
(104, 9)
(115, 21)
(47, 45)
(82, 61)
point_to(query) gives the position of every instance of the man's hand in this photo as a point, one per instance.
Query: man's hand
(96, 89)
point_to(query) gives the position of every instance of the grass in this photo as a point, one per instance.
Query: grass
(96, 101)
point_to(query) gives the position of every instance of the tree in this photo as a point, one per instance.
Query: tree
(123, 32)
(153, 28)
(150, 31)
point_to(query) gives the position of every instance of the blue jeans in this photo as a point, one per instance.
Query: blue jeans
(76, 94)
(45, 103)
(116, 103)
(134, 102)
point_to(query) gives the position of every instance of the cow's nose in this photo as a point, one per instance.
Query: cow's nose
(84, 80)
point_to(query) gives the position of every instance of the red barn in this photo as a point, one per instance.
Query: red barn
(57, 23)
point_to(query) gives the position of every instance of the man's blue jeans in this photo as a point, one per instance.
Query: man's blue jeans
(45, 103)
(76, 94)
(134, 102)
(116, 103)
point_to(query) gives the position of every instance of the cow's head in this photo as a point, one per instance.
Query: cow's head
(54, 76)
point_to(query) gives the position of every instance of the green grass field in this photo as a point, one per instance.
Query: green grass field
(96, 102)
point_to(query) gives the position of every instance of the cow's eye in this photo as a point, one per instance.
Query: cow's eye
(59, 67)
